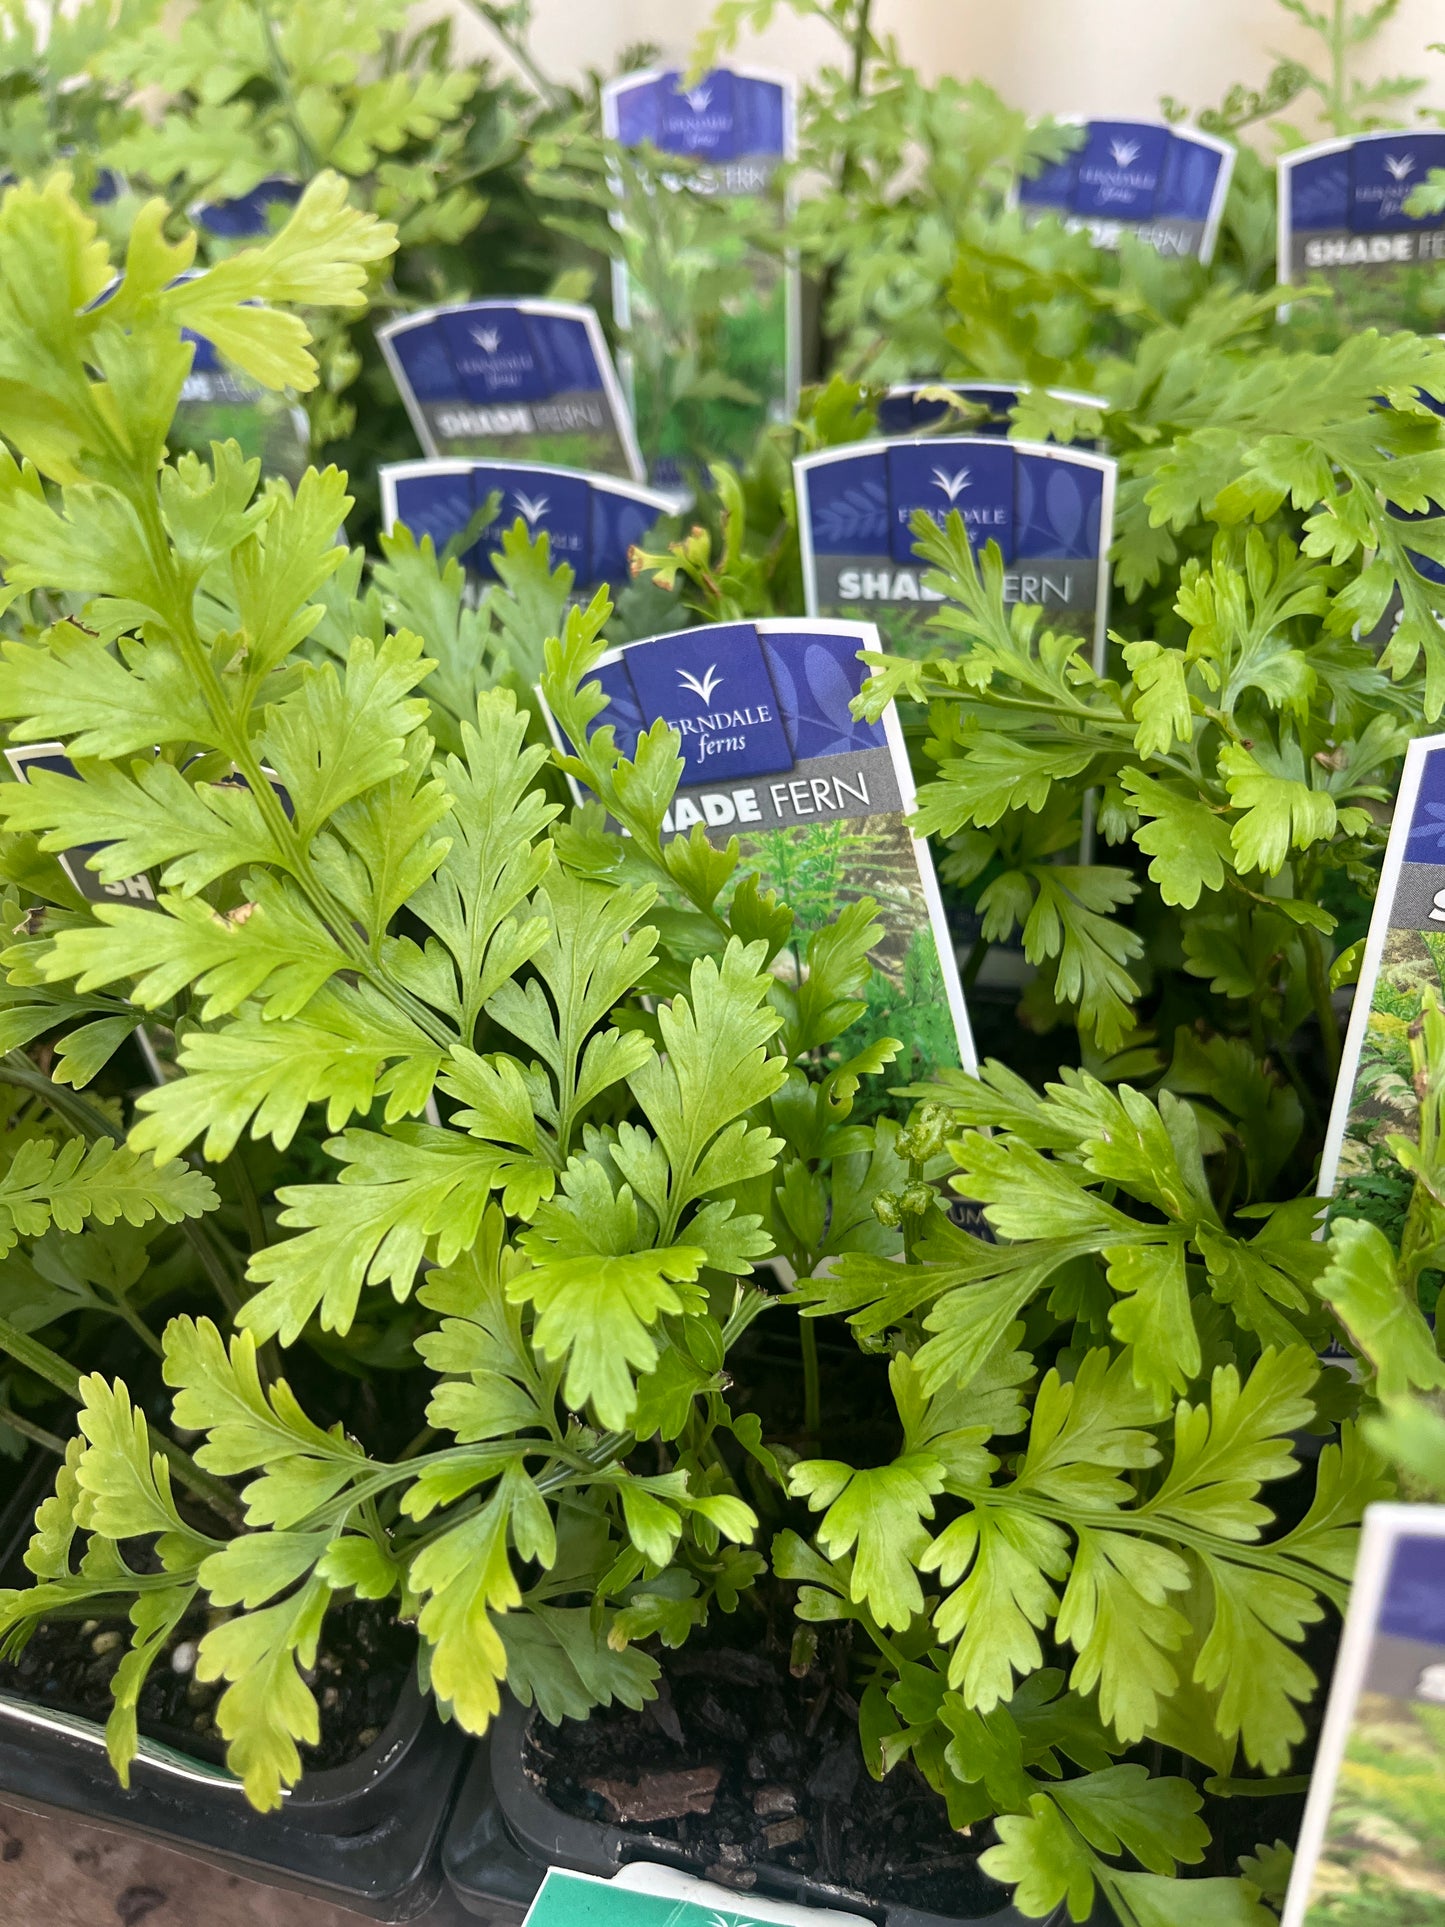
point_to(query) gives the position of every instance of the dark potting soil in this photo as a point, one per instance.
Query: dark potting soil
(361, 1667)
(791, 1787)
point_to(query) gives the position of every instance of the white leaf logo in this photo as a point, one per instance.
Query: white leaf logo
(1125, 152)
(487, 339)
(952, 485)
(699, 99)
(1399, 166)
(705, 687)
(532, 508)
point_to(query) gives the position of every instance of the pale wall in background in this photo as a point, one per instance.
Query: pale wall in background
(1084, 56)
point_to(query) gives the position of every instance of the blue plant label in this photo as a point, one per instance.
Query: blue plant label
(33, 759)
(1050, 510)
(737, 129)
(1165, 185)
(251, 216)
(591, 521)
(1371, 1846)
(818, 799)
(928, 408)
(513, 381)
(1404, 957)
(1342, 220)
(650, 1896)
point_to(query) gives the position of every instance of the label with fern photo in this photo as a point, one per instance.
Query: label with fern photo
(1165, 185)
(1402, 968)
(1050, 511)
(978, 408)
(1372, 1847)
(819, 802)
(1362, 215)
(513, 381)
(470, 508)
(702, 286)
(220, 404)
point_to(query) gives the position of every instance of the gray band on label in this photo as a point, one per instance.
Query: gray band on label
(820, 789)
(856, 581)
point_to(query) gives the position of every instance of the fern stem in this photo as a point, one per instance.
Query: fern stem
(256, 1232)
(281, 80)
(812, 1385)
(212, 1492)
(133, 1322)
(28, 1429)
(40, 1359)
(517, 47)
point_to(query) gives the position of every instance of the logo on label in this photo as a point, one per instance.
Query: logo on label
(487, 339)
(704, 688)
(699, 99)
(530, 508)
(1125, 152)
(1399, 166)
(952, 485)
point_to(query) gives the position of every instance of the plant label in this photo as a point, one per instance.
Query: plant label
(591, 521)
(1165, 185)
(931, 407)
(1342, 220)
(818, 800)
(643, 1895)
(252, 216)
(1404, 956)
(736, 128)
(1050, 510)
(513, 381)
(1372, 1847)
(32, 759)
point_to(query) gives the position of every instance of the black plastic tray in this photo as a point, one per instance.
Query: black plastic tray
(365, 1835)
(505, 1834)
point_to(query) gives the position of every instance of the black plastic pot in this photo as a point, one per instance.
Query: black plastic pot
(365, 1835)
(505, 1834)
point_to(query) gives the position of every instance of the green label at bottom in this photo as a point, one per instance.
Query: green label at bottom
(579, 1900)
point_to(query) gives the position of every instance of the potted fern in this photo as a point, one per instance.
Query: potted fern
(495, 1379)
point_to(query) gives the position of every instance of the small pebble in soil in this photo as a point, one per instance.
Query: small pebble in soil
(90, 1626)
(658, 1796)
(770, 1801)
(784, 1833)
(183, 1658)
(104, 1643)
(726, 1875)
(368, 1736)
